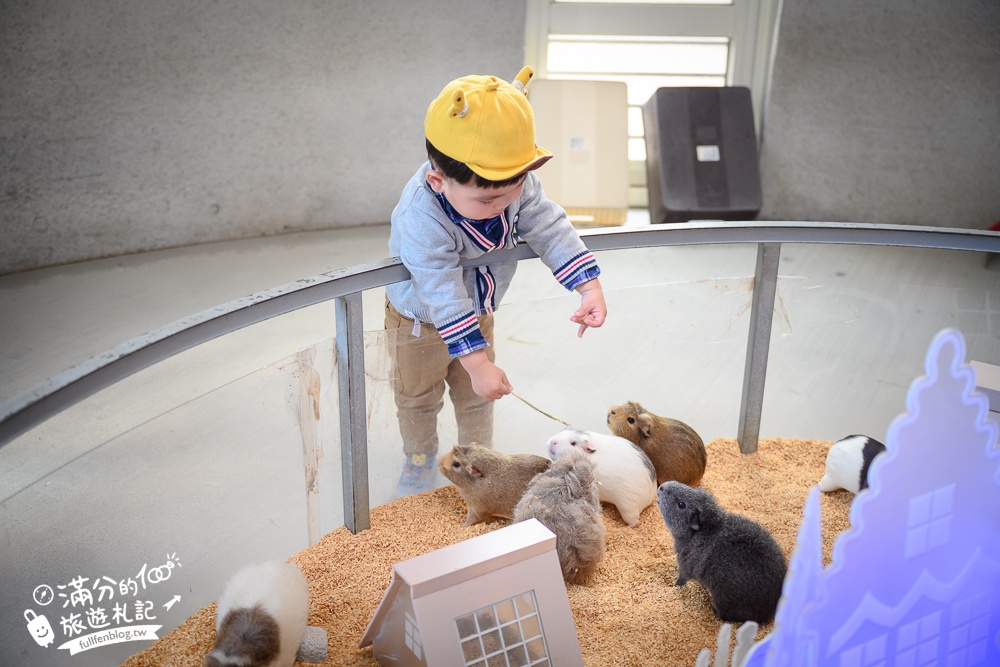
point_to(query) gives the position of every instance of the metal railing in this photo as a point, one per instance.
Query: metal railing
(345, 287)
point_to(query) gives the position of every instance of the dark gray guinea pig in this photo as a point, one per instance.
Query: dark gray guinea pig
(734, 558)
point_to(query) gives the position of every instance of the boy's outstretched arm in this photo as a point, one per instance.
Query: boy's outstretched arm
(592, 309)
(488, 379)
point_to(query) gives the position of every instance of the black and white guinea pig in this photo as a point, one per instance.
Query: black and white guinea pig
(262, 617)
(625, 475)
(847, 463)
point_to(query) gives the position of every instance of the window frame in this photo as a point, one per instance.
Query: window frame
(749, 25)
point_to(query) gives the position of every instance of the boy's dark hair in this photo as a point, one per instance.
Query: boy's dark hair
(460, 172)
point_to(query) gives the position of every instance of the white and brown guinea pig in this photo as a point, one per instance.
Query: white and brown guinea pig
(676, 450)
(625, 475)
(847, 463)
(262, 617)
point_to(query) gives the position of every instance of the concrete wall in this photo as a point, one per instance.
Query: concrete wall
(129, 125)
(885, 112)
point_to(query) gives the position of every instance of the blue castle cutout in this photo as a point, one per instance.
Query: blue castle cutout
(915, 580)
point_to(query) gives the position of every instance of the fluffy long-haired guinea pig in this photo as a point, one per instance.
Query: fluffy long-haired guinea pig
(625, 475)
(847, 463)
(565, 500)
(262, 617)
(676, 450)
(490, 482)
(737, 561)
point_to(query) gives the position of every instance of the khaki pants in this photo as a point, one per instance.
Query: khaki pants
(421, 367)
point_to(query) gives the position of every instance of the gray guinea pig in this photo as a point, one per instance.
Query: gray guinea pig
(847, 463)
(734, 558)
(565, 500)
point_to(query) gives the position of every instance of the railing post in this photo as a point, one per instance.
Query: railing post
(353, 429)
(765, 283)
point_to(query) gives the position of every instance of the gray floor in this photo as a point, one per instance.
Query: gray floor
(199, 459)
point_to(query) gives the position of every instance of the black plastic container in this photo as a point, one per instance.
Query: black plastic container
(701, 155)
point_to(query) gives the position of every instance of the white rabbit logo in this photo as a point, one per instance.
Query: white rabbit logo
(39, 628)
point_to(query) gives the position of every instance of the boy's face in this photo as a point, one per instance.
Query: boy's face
(474, 202)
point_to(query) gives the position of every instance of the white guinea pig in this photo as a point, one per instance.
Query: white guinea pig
(625, 475)
(262, 617)
(847, 463)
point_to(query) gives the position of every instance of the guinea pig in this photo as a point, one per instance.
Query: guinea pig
(847, 463)
(490, 482)
(734, 558)
(677, 452)
(565, 500)
(262, 617)
(625, 475)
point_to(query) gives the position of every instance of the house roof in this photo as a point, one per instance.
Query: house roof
(468, 559)
(460, 562)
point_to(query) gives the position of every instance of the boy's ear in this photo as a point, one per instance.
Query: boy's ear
(435, 179)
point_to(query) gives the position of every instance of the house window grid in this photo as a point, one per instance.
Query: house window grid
(928, 524)
(412, 636)
(970, 631)
(507, 633)
(918, 642)
(870, 654)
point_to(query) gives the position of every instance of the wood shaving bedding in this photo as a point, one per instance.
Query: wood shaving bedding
(628, 613)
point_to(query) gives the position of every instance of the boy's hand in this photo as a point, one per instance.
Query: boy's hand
(488, 379)
(592, 309)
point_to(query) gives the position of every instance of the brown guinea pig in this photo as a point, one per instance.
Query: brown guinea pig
(490, 482)
(676, 451)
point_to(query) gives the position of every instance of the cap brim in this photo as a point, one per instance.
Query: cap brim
(541, 157)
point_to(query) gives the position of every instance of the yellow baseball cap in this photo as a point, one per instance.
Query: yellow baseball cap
(488, 124)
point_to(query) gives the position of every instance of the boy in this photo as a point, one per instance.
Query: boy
(475, 194)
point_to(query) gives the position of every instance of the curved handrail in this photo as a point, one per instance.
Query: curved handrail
(44, 400)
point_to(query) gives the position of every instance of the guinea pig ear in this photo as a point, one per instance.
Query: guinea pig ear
(474, 471)
(694, 519)
(588, 446)
(645, 424)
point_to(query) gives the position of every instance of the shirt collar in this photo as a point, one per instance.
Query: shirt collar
(489, 233)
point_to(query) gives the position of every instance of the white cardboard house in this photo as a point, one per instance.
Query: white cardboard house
(495, 599)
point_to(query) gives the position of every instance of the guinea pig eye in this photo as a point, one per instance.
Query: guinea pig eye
(631, 420)
(681, 504)
(456, 464)
(573, 443)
